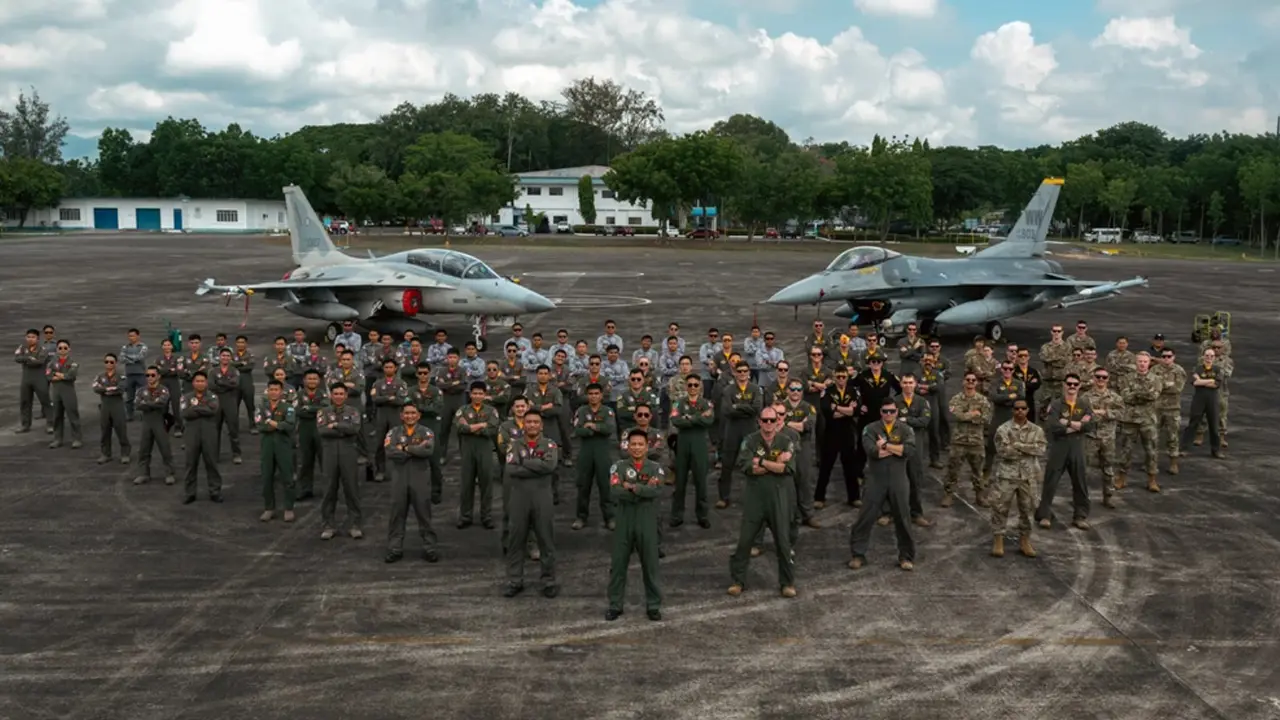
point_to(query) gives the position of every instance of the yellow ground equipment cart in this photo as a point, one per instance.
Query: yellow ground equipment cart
(1205, 323)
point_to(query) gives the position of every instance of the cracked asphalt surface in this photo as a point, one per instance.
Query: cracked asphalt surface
(119, 602)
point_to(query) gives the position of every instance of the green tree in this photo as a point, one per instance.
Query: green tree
(628, 115)
(29, 131)
(1118, 196)
(1260, 188)
(27, 183)
(587, 199)
(364, 192)
(889, 180)
(452, 176)
(1082, 188)
(1216, 212)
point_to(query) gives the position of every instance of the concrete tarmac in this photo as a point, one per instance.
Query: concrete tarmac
(120, 602)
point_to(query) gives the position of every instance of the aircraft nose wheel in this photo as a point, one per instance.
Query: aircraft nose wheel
(331, 332)
(995, 331)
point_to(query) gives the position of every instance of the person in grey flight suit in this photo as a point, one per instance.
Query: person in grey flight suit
(110, 387)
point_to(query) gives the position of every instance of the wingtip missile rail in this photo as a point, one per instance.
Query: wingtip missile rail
(1101, 292)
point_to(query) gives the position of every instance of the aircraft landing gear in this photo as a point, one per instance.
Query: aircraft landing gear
(995, 331)
(479, 331)
(331, 332)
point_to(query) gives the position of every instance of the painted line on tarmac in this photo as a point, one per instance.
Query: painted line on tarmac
(569, 274)
(599, 301)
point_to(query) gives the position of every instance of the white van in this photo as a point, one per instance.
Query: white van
(1105, 236)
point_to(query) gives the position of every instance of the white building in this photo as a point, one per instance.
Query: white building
(555, 192)
(189, 214)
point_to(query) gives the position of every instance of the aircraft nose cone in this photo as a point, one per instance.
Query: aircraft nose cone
(535, 303)
(803, 292)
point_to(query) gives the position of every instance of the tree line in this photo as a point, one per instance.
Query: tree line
(457, 157)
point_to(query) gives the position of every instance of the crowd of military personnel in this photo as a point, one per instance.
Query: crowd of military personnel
(402, 410)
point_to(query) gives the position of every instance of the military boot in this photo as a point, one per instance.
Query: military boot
(1223, 436)
(1024, 546)
(1199, 438)
(1109, 501)
(948, 500)
(1121, 478)
(997, 546)
(1173, 465)
(1152, 485)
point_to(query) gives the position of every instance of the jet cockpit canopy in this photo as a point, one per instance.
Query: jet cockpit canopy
(861, 257)
(451, 263)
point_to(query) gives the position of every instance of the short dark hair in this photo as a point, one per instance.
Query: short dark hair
(634, 432)
(199, 374)
(477, 385)
(337, 386)
(111, 356)
(132, 330)
(274, 383)
(594, 386)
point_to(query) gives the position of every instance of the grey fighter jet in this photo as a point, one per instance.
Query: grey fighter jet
(1012, 278)
(388, 293)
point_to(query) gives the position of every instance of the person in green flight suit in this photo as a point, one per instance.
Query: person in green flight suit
(635, 484)
(596, 425)
(693, 416)
(768, 459)
(530, 464)
(476, 425)
(276, 421)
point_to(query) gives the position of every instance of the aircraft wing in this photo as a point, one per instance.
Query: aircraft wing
(1045, 282)
(285, 290)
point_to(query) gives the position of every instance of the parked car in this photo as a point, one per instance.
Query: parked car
(672, 231)
(458, 230)
(563, 228)
(1146, 238)
(509, 231)
(615, 230)
(1220, 240)
(702, 234)
(1186, 236)
(771, 232)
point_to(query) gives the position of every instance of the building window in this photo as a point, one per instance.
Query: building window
(280, 216)
(633, 221)
(610, 220)
(555, 191)
(560, 218)
(69, 214)
(533, 191)
(228, 216)
(495, 219)
(607, 194)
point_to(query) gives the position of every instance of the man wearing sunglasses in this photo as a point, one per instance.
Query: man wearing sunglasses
(1068, 420)
(768, 460)
(152, 402)
(1021, 446)
(110, 387)
(1081, 338)
(971, 411)
(693, 416)
(1004, 392)
(740, 403)
(1173, 379)
(1100, 442)
(890, 445)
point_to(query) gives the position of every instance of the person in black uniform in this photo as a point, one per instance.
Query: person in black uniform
(874, 385)
(839, 405)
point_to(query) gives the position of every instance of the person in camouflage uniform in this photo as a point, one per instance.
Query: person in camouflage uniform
(1081, 338)
(971, 412)
(1224, 362)
(1139, 425)
(35, 386)
(985, 367)
(1220, 344)
(1021, 446)
(1003, 393)
(1173, 378)
(1100, 442)
(1054, 356)
(932, 388)
(1077, 366)
(1121, 363)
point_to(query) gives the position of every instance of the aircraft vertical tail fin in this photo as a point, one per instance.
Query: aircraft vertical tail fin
(1027, 238)
(307, 235)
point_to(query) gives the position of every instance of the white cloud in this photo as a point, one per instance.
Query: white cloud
(1011, 51)
(906, 8)
(275, 65)
(1151, 34)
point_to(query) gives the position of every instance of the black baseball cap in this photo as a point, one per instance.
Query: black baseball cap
(1158, 336)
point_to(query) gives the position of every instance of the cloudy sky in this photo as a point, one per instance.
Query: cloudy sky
(1004, 72)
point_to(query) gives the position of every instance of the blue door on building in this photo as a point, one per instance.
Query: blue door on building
(177, 218)
(106, 219)
(148, 218)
